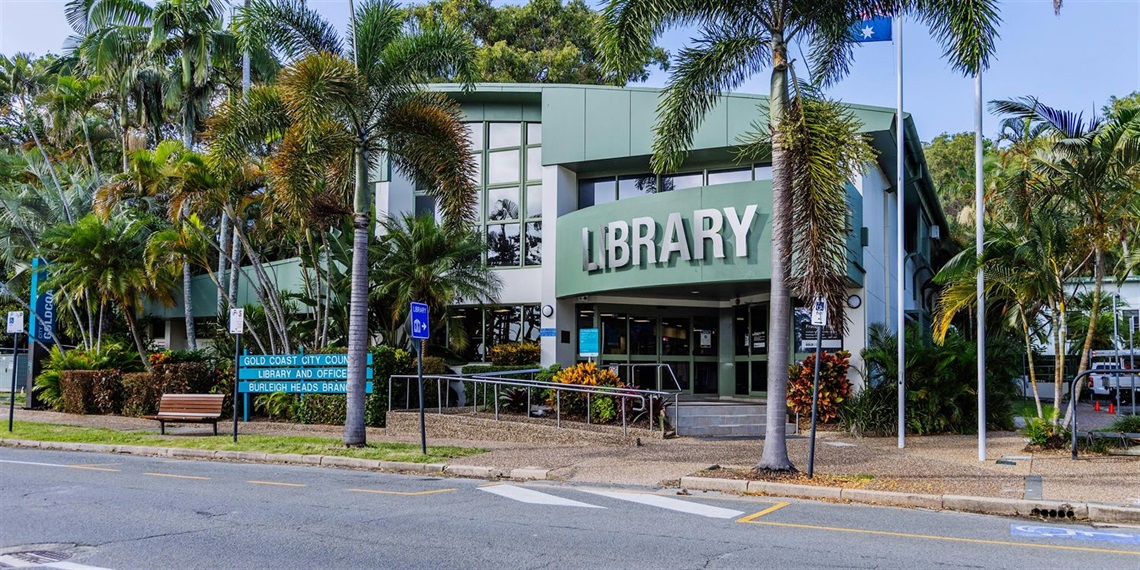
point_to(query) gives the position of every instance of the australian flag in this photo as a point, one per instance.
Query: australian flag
(872, 29)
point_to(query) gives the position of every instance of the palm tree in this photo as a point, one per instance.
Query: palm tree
(1094, 164)
(739, 39)
(93, 258)
(337, 109)
(419, 260)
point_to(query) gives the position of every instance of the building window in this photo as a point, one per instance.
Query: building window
(682, 181)
(729, 176)
(472, 331)
(509, 183)
(633, 186)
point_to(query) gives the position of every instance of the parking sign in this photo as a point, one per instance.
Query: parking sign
(819, 312)
(237, 321)
(419, 321)
(16, 322)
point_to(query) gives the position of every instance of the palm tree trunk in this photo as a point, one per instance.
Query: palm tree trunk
(354, 434)
(129, 314)
(187, 282)
(99, 336)
(266, 292)
(328, 289)
(235, 262)
(1086, 349)
(1029, 355)
(775, 455)
(223, 279)
(90, 150)
(1058, 323)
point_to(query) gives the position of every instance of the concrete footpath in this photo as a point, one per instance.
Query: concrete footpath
(938, 472)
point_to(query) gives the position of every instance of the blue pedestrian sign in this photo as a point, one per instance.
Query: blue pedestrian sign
(419, 321)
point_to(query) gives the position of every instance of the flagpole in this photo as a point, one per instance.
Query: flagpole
(900, 210)
(979, 235)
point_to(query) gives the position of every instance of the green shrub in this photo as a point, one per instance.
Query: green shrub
(871, 412)
(140, 394)
(108, 392)
(433, 365)
(277, 405)
(327, 409)
(77, 391)
(1043, 434)
(834, 387)
(574, 404)
(524, 354)
(185, 377)
(941, 380)
(178, 357)
(1126, 424)
(513, 399)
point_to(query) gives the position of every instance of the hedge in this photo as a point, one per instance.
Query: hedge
(77, 391)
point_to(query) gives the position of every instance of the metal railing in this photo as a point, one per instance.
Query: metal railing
(643, 400)
(633, 366)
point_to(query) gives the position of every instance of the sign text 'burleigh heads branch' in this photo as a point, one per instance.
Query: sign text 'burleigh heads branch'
(622, 243)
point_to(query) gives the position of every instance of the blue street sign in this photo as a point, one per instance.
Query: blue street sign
(298, 387)
(297, 373)
(419, 321)
(295, 360)
(588, 343)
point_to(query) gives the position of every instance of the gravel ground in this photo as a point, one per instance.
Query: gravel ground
(946, 464)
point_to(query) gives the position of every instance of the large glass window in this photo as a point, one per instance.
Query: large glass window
(615, 334)
(504, 324)
(503, 167)
(598, 191)
(503, 245)
(729, 176)
(465, 333)
(532, 323)
(534, 201)
(632, 186)
(705, 336)
(504, 135)
(534, 163)
(534, 133)
(503, 204)
(675, 336)
(763, 172)
(741, 336)
(759, 313)
(534, 243)
(643, 335)
(682, 181)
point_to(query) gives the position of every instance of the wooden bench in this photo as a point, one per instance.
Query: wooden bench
(189, 408)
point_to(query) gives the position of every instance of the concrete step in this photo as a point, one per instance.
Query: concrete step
(738, 430)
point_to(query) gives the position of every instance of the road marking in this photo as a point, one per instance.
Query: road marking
(534, 497)
(768, 510)
(671, 504)
(277, 484)
(404, 493)
(92, 467)
(1073, 533)
(72, 566)
(947, 538)
(178, 476)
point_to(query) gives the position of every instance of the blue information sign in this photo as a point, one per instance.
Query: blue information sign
(269, 386)
(296, 360)
(547, 332)
(419, 321)
(297, 373)
(588, 343)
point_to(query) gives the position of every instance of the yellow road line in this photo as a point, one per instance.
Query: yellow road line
(405, 493)
(277, 484)
(755, 516)
(90, 468)
(945, 538)
(178, 476)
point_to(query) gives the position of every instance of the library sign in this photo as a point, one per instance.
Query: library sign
(718, 234)
(297, 374)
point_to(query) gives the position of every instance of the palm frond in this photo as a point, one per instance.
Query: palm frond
(287, 25)
(720, 61)
(427, 140)
(414, 59)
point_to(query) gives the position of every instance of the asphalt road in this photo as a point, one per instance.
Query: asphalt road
(82, 510)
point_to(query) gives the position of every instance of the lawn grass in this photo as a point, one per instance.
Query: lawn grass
(303, 445)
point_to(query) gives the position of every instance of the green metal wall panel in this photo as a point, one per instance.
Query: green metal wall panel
(641, 124)
(607, 124)
(572, 279)
(563, 125)
(743, 112)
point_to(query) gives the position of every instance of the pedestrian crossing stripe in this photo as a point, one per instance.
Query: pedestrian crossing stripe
(534, 497)
(670, 504)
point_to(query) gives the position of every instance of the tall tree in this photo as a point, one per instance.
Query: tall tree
(342, 107)
(739, 39)
(541, 41)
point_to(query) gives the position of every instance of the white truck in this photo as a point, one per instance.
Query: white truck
(1105, 385)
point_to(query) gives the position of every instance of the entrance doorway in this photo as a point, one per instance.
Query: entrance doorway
(669, 348)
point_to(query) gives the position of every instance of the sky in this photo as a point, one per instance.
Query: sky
(1074, 61)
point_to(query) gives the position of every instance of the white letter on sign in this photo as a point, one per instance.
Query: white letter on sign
(644, 239)
(741, 227)
(616, 247)
(676, 240)
(711, 233)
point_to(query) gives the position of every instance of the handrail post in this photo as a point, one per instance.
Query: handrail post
(389, 396)
(528, 401)
(496, 401)
(558, 407)
(624, 402)
(650, 414)
(587, 408)
(438, 397)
